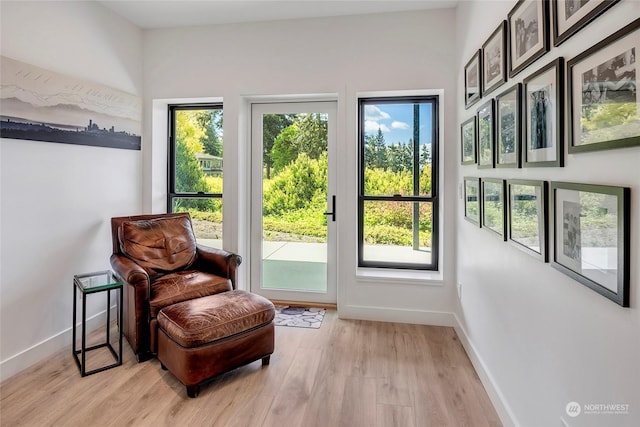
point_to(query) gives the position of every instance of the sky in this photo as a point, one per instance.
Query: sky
(396, 122)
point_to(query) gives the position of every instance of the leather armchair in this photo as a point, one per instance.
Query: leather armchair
(160, 264)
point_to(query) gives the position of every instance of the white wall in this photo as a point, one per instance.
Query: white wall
(342, 56)
(544, 339)
(57, 199)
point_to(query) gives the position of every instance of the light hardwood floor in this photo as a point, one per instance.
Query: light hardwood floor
(347, 373)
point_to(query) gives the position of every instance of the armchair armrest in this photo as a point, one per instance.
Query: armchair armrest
(129, 271)
(218, 261)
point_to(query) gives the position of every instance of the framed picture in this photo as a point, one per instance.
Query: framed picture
(544, 130)
(468, 141)
(472, 200)
(604, 102)
(472, 82)
(591, 236)
(508, 127)
(527, 216)
(493, 210)
(486, 135)
(528, 33)
(494, 59)
(570, 16)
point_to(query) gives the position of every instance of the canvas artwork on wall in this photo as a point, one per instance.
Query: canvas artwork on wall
(42, 105)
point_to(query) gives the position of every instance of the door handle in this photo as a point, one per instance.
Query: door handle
(333, 206)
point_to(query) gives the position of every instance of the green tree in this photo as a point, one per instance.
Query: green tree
(210, 121)
(285, 149)
(272, 126)
(375, 151)
(312, 134)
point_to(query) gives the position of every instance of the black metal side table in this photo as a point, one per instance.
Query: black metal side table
(91, 283)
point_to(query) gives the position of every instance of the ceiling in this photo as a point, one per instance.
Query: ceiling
(149, 14)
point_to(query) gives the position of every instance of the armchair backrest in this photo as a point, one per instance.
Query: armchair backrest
(158, 243)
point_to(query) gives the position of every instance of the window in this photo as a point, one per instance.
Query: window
(398, 188)
(195, 168)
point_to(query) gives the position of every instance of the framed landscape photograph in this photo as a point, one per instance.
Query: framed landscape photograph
(493, 208)
(472, 200)
(604, 103)
(570, 16)
(494, 59)
(528, 33)
(544, 113)
(591, 237)
(472, 80)
(486, 135)
(468, 141)
(508, 127)
(527, 216)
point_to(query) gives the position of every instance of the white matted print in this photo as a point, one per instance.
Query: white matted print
(591, 236)
(603, 92)
(528, 33)
(543, 116)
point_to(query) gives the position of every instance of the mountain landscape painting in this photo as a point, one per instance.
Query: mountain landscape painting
(41, 105)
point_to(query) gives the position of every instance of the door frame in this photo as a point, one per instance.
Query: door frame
(288, 104)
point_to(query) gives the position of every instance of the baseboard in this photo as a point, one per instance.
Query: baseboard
(493, 391)
(400, 315)
(48, 347)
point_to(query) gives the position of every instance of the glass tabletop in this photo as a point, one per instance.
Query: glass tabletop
(98, 281)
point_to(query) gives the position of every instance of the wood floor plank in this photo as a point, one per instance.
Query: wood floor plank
(395, 416)
(347, 373)
(294, 396)
(358, 405)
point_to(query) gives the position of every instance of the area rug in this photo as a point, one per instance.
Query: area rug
(301, 317)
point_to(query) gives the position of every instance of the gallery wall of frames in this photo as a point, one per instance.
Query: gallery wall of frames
(582, 230)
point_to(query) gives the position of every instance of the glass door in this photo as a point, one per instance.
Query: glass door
(293, 211)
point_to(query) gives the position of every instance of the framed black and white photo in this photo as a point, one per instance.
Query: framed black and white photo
(527, 216)
(570, 16)
(604, 103)
(508, 127)
(494, 59)
(472, 80)
(591, 237)
(486, 135)
(544, 112)
(472, 200)
(468, 141)
(528, 33)
(493, 208)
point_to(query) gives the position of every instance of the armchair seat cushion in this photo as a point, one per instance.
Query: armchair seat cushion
(184, 285)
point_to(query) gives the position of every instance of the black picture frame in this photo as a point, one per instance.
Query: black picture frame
(528, 217)
(544, 116)
(493, 209)
(509, 127)
(569, 17)
(494, 59)
(472, 199)
(486, 135)
(473, 79)
(468, 141)
(591, 238)
(603, 98)
(528, 33)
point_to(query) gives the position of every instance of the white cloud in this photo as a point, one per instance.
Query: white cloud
(371, 126)
(373, 113)
(399, 125)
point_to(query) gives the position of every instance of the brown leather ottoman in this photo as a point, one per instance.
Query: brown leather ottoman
(204, 337)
